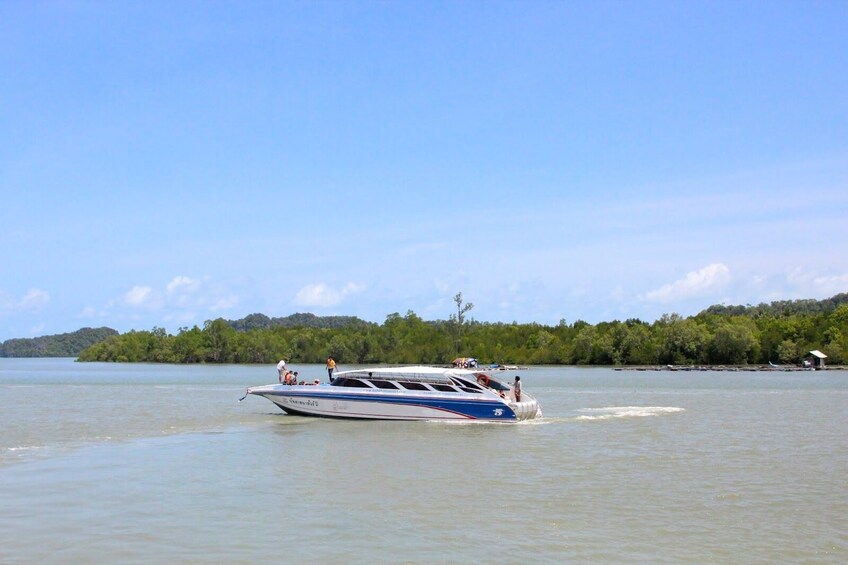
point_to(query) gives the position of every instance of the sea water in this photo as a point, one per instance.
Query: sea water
(137, 463)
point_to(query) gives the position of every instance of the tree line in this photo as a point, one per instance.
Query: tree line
(783, 332)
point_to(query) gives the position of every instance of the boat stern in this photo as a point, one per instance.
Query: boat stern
(527, 409)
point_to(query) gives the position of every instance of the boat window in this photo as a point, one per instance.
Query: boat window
(413, 386)
(474, 390)
(353, 383)
(444, 388)
(467, 384)
(384, 384)
(497, 385)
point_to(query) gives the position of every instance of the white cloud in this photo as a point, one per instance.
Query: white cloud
(832, 285)
(183, 291)
(182, 318)
(812, 284)
(34, 298)
(91, 312)
(353, 288)
(617, 294)
(183, 284)
(757, 281)
(695, 283)
(183, 299)
(138, 296)
(441, 286)
(324, 296)
(224, 303)
(317, 295)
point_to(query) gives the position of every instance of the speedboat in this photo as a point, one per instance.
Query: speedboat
(405, 393)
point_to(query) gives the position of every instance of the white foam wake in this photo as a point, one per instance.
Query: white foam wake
(24, 448)
(610, 412)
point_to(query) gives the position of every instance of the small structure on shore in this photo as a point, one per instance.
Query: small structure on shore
(818, 359)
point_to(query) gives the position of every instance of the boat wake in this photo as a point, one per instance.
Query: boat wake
(613, 412)
(24, 448)
(587, 415)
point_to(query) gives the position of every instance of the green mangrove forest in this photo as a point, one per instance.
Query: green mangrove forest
(780, 332)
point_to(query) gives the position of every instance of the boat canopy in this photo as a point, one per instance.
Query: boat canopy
(416, 373)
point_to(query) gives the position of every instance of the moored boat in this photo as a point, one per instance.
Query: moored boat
(405, 393)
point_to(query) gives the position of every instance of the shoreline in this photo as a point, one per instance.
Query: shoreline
(731, 368)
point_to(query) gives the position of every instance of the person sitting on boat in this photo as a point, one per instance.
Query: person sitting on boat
(516, 388)
(289, 378)
(294, 378)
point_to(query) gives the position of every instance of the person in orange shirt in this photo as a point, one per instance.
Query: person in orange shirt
(331, 365)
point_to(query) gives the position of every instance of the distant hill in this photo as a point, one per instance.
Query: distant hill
(263, 322)
(60, 345)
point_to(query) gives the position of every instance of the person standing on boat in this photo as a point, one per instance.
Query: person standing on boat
(281, 369)
(331, 365)
(516, 388)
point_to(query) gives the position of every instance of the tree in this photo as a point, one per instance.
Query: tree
(219, 335)
(583, 345)
(684, 341)
(788, 351)
(840, 315)
(638, 348)
(340, 350)
(832, 335)
(733, 343)
(188, 346)
(461, 310)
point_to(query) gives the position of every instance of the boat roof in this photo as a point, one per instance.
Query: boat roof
(412, 373)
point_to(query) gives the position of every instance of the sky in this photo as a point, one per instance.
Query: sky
(166, 163)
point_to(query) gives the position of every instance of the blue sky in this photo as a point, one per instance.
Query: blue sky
(167, 163)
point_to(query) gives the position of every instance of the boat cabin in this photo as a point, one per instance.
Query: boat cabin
(474, 383)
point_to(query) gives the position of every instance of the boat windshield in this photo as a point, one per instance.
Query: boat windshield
(467, 384)
(498, 385)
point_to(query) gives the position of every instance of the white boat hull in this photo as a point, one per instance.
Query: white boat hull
(405, 393)
(330, 402)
